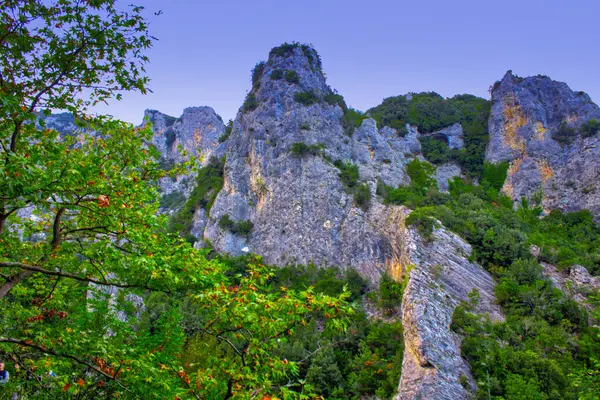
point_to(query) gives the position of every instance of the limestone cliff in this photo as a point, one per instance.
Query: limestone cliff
(441, 276)
(543, 129)
(195, 133)
(299, 207)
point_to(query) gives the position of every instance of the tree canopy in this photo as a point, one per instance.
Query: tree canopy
(84, 254)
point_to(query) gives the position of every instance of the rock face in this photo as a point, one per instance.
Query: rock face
(441, 277)
(453, 134)
(300, 209)
(196, 132)
(527, 117)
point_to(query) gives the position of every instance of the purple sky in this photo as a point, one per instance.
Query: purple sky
(370, 49)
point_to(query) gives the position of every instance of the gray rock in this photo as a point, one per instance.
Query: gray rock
(525, 115)
(298, 205)
(441, 277)
(453, 135)
(445, 173)
(195, 134)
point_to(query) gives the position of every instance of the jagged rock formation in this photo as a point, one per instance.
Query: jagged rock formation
(535, 124)
(197, 132)
(300, 209)
(441, 277)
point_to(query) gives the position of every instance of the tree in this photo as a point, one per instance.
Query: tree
(82, 244)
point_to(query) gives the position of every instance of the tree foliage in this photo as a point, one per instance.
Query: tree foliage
(83, 250)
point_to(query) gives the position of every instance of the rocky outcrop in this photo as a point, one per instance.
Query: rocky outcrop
(446, 172)
(196, 134)
(453, 135)
(300, 209)
(536, 125)
(575, 281)
(441, 276)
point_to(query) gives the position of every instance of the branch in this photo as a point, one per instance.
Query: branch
(30, 344)
(12, 281)
(34, 268)
(56, 228)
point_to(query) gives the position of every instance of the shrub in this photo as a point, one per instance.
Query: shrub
(422, 222)
(494, 175)
(173, 200)
(362, 195)
(349, 174)
(209, 183)
(351, 120)
(228, 129)
(251, 103)
(305, 126)
(390, 293)
(284, 50)
(277, 74)
(226, 223)
(590, 128)
(564, 134)
(422, 175)
(300, 149)
(335, 99)
(242, 228)
(306, 98)
(292, 77)
(436, 151)
(257, 73)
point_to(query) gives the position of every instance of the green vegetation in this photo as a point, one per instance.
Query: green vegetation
(362, 195)
(251, 103)
(287, 49)
(351, 120)
(292, 77)
(301, 149)
(333, 98)
(172, 201)
(564, 134)
(242, 228)
(228, 129)
(590, 128)
(365, 360)
(73, 325)
(257, 73)
(389, 296)
(350, 176)
(431, 112)
(306, 98)
(208, 184)
(277, 74)
(423, 186)
(546, 339)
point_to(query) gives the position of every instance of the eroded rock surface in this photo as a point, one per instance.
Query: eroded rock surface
(527, 117)
(300, 209)
(195, 134)
(441, 277)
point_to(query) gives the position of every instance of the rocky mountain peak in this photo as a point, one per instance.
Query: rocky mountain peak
(549, 134)
(291, 70)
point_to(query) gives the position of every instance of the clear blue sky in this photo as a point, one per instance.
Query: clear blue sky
(370, 49)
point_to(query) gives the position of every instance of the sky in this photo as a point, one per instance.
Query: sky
(370, 49)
